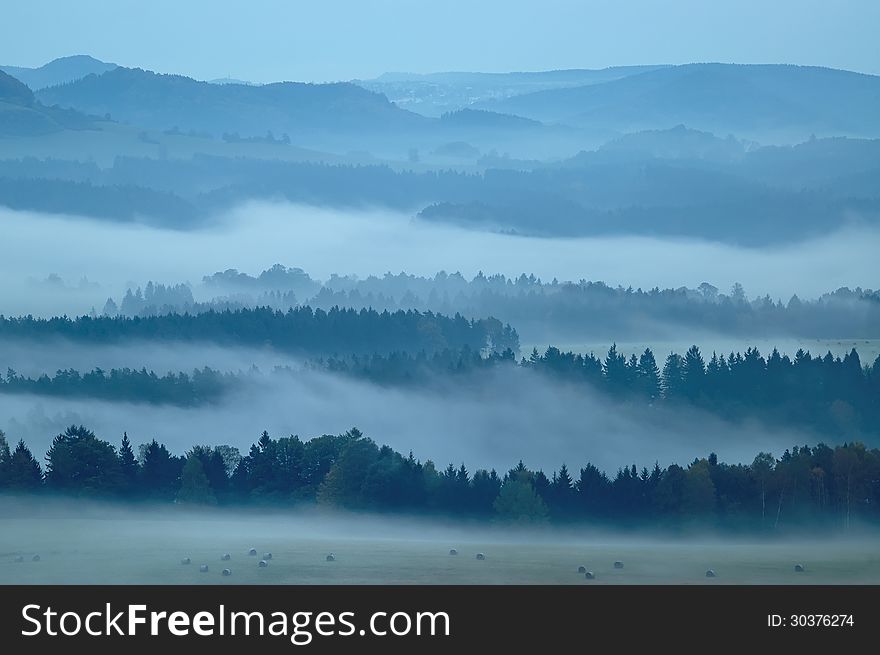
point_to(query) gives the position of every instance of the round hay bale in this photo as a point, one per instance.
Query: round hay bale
(582, 569)
(710, 573)
(19, 558)
(799, 568)
(480, 556)
(263, 564)
(226, 557)
(618, 564)
(203, 568)
(330, 557)
(186, 560)
(589, 575)
(35, 558)
(452, 551)
(226, 573)
(252, 552)
(267, 555)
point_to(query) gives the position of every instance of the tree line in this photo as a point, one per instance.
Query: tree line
(300, 329)
(591, 194)
(578, 307)
(824, 394)
(819, 486)
(203, 385)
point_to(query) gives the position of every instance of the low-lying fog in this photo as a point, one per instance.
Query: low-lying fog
(99, 543)
(491, 420)
(26, 359)
(321, 241)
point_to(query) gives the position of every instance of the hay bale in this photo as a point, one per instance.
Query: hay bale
(799, 568)
(226, 573)
(267, 556)
(710, 573)
(618, 564)
(203, 568)
(582, 569)
(252, 552)
(226, 557)
(263, 564)
(480, 556)
(186, 560)
(35, 558)
(330, 557)
(452, 551)
(19, 558)
(589, 575)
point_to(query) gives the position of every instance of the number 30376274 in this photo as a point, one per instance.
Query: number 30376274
(810, 621)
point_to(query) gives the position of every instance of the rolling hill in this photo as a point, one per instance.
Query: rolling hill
(434, 94)
(764, 102)
(22, 115)
(160, 101)
(58, 71)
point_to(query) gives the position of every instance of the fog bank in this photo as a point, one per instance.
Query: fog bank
(487, 421)
(253, 237)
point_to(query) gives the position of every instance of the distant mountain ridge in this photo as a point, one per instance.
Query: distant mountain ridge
(162, 101)
(58, 71)
(747, 100)
(433, 94)
(565, 75)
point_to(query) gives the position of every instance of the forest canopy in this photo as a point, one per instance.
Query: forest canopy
(825, 487)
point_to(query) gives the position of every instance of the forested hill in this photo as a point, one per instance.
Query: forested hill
(160, 101)
(58, 71)
(22, 115)
(747, 100)
(672, 182)
(300, 330)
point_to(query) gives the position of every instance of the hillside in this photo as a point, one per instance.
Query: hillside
(480, 118)
(22, 115)
(58, 71)
(756, 101)
(434, 94)
(163, 101)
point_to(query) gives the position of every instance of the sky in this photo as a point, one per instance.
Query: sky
(326, 40)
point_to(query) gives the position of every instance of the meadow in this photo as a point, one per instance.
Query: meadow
(118, 549)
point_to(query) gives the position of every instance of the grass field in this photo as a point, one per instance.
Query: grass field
(118, 550)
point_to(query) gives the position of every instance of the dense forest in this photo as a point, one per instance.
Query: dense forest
(816, 487)
(827, 395)
(203, 385)
(822, 395)
(583, 308)
(300, 330)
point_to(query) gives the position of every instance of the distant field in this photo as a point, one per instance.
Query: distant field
(124, 550)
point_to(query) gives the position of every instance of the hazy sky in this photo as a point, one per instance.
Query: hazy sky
(268, 40)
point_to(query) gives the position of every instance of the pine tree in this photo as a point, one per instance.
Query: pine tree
(80, 462)
(5, 460)
(673, 377)
(129, 465)
(24, 471)
(693, 373)
(648, 375)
